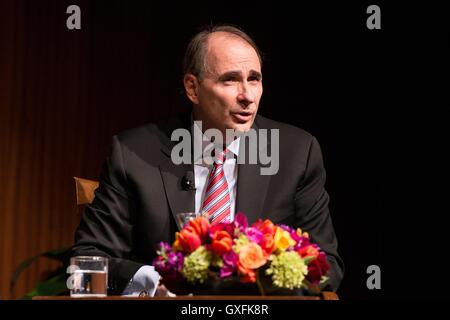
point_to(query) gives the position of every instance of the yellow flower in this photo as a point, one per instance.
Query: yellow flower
(283, 239)
(302, 233)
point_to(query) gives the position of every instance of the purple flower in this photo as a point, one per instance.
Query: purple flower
(302, 242)
(175, 260)
(168, 263)
(240, 221)
(287, 228)
(163, 248)
(253, 234)
(230, 260)
(295, 236)
(226, 271)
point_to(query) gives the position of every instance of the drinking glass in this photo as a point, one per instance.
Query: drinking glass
(89, 276)
(184, 217)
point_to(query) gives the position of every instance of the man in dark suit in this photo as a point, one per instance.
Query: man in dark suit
(142, 189)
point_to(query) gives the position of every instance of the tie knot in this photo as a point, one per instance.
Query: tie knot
(219, 157)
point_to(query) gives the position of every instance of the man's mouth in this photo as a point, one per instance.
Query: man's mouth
(242, 117)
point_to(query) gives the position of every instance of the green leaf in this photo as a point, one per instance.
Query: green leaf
(57, 254)
(52, 287)
(324, 279)
(308, 259)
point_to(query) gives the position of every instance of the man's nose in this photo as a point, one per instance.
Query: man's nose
(245, 96)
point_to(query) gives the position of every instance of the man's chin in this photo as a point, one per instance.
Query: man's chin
(242, 127)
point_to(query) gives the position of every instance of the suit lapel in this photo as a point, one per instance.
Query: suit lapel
(251, 186)
(180, 199)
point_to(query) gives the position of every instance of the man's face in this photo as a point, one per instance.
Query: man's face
(228, 94)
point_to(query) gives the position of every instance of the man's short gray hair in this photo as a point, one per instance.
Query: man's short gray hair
(194, 61)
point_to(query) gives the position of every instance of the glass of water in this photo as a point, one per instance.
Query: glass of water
(184, 217)
(89, 277)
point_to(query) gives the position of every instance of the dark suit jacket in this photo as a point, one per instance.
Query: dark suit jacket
(141, 190)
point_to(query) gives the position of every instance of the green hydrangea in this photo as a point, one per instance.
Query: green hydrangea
(196, 265)
(216, 261)
(288, 270)
(240, 241)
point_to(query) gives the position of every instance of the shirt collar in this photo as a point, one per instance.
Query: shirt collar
(233, 147)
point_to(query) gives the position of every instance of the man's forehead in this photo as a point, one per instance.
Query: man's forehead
(228, 50)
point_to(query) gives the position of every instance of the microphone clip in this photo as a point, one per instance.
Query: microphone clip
(188, 182)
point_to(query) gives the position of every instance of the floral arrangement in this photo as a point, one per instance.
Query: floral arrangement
(202, 252)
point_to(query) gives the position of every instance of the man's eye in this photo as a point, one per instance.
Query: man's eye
(229, 79)
(254, 79)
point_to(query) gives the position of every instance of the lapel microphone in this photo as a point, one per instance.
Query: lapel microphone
(188, 181)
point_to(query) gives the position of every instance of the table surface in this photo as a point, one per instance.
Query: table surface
(326, 295)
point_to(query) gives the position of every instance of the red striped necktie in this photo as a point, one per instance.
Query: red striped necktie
(217, 201)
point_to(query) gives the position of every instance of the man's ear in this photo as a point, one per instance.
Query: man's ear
(191, 86)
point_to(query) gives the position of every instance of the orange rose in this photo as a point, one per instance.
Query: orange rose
(221, 242)
(246, 275)
(308, 251)
(200, 225)
(267, 244)
(251, 256)
(187, 240)
(266, 227)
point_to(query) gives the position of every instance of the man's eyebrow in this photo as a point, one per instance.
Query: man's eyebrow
(237, 74)
(230, 74)
(257, 74)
